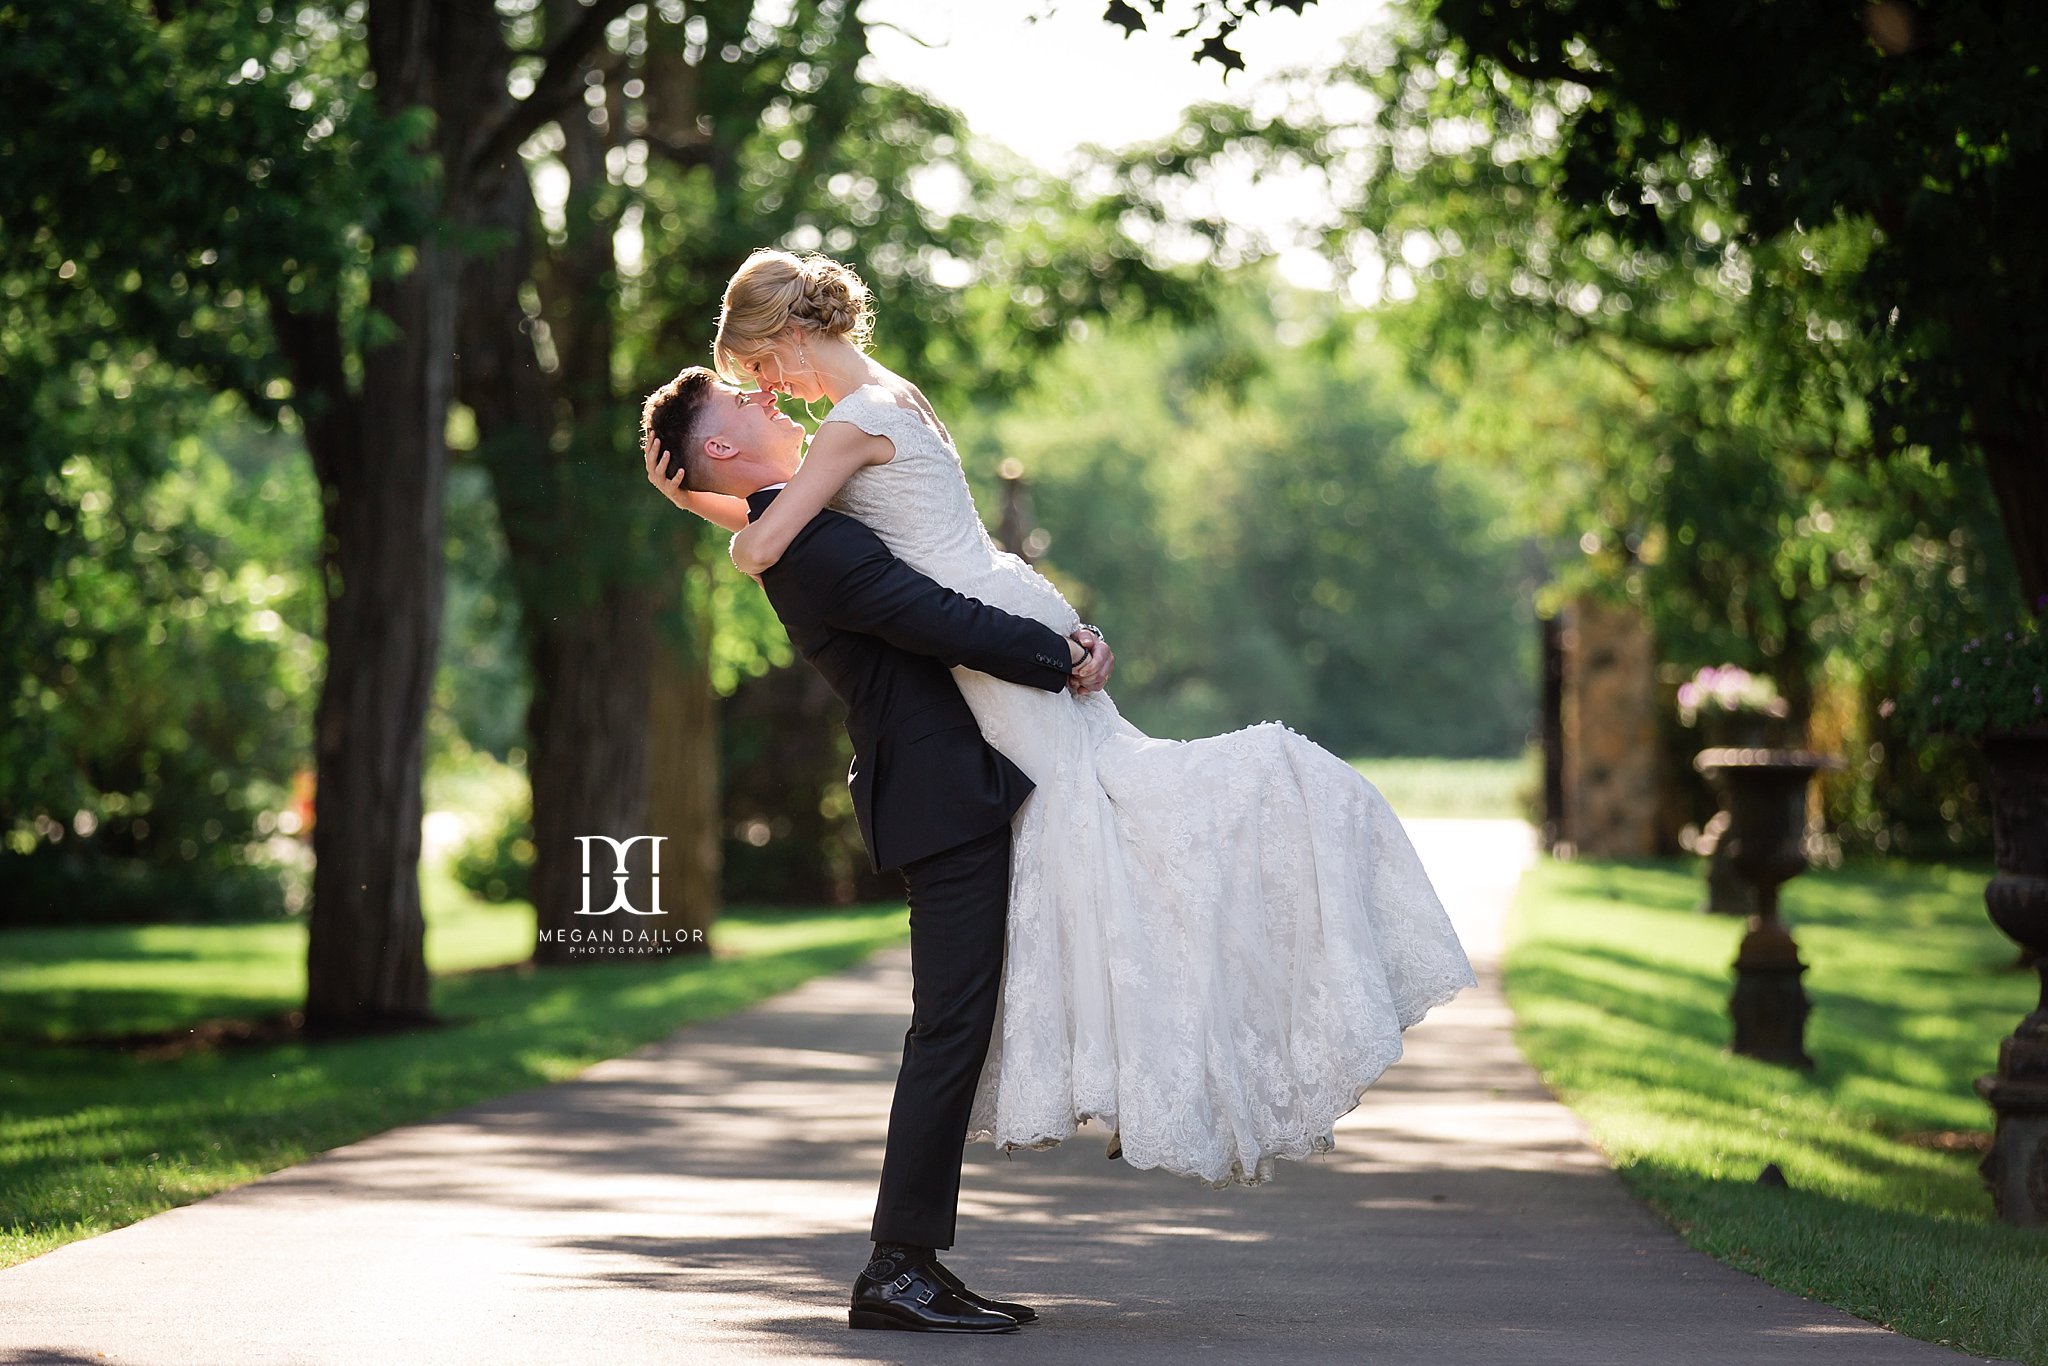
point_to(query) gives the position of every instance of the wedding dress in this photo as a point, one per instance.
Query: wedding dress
(1214, 945)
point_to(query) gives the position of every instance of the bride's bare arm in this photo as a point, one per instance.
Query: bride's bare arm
(721, 509)
(837, 451)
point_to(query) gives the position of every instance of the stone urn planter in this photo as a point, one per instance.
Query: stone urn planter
(2016, 1168)
(1765, 843)
(1731, 708)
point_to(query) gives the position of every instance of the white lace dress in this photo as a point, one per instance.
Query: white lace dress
(1214, 945)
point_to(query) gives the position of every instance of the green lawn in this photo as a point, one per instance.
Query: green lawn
(93, 1138)
(1467, 788)
(1620, 988)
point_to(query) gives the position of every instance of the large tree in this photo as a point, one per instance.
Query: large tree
(242, 207)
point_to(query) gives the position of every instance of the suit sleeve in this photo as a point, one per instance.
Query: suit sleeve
(852, 582)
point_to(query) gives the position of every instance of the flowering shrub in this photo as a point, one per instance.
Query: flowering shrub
(1985, 683)
(1726, 688)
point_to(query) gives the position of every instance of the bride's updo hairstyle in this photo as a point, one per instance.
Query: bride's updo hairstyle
(776, 289)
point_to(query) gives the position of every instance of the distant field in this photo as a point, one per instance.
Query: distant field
(1469, 788)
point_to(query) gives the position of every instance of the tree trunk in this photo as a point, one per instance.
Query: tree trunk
(380, 456)
(785, 757)
(588, 627)
(366, 962)
(550, 437)
(588, 723)
(683, 761)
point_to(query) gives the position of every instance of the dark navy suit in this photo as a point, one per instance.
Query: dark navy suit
(933, 799)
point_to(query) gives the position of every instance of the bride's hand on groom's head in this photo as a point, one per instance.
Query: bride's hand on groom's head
(668, 477)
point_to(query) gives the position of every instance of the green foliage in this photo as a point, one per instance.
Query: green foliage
(64, 884)
(481, 685)
(183, 163)
(1621, 990)
(1896, 151)
(1214, 22)
(192, 174)
(496, 862)
(1982, 684)
(162, 724)
(1247, 521)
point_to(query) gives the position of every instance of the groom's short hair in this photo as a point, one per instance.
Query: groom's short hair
(670, 415)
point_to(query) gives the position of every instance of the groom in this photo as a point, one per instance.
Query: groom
(932, 797)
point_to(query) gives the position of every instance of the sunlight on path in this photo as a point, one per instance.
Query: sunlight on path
(1475, 865)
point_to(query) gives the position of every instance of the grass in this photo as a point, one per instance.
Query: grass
(1620, 989)
(92, 1138)
(1462, 788)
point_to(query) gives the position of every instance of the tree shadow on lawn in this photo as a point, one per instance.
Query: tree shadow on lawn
(1667, 1051)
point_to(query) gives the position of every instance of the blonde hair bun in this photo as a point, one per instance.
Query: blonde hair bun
(775, 289)
(835, 301)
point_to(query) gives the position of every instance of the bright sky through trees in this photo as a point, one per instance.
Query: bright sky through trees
(1044, 79)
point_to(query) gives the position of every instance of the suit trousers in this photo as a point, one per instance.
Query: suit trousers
(959, 909)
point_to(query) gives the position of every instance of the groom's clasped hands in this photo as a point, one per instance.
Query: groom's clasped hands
(1091, 672)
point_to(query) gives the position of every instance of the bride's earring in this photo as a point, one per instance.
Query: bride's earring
(805, 361)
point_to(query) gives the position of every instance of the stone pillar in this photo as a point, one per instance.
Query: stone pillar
(1611, 755)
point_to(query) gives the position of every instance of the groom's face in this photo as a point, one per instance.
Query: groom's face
(751, 429)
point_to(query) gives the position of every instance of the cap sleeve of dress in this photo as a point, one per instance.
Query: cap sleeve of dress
(873, 412)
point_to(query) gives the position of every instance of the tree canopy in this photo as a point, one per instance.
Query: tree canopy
(1900, 150)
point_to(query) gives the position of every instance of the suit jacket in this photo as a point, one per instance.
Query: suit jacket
(884, 636)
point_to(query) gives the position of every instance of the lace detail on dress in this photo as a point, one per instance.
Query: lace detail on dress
(1214, 945)
(920, 505)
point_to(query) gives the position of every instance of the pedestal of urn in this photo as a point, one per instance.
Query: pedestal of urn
(2016, 1168)
(1765, 792)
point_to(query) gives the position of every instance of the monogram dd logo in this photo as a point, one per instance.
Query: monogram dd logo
(619, 875)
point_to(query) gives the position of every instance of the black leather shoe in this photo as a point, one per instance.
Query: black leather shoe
(1023, 1313)
(914, 1299)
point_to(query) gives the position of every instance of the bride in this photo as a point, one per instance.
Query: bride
(1214, 945)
